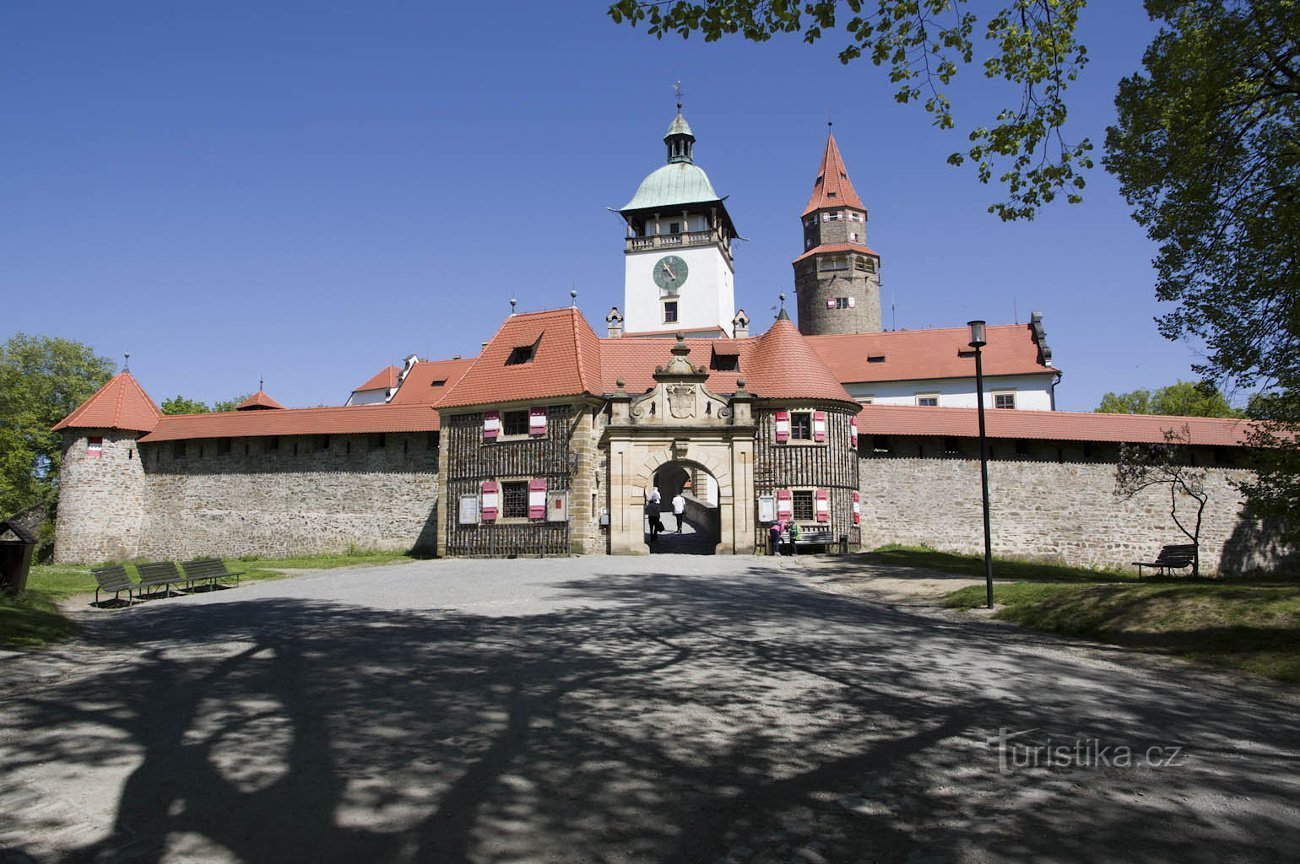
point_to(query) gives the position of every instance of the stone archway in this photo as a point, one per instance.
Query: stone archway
(680, 420)
(699, 530)
(634, 463)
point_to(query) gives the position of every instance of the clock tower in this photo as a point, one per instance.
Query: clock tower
(679, 272)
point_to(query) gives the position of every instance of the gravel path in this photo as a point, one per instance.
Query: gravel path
(676, 708)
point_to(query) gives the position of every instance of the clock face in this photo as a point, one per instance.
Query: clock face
(670, 273)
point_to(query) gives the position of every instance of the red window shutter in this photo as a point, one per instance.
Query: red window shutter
(857, 508)
(491, 501)
(782, 425)
(491, 424)
(819, 425)
(784, 504)
(94, 447)
(537, 498)
(537, 421)
(853, 433)
(823, 506)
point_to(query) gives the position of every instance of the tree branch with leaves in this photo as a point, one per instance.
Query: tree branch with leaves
(1150, 466)
(923, 44)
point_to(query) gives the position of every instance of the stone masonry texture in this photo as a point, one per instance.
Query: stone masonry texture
(1064, 511)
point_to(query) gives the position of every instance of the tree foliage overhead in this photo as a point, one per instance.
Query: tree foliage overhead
(178, 404)
(923, 43)
(1206, 150)
(42, 379)
(1183, 399)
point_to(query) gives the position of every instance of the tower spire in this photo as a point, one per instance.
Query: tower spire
(680, 139)
(832, 188)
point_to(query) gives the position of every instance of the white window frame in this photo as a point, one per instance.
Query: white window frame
(994, 399)
(920, 396)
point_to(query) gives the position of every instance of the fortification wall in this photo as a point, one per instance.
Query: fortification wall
(1050, 503)
(295, 496)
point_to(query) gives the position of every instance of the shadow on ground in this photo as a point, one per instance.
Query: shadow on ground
(673, 719)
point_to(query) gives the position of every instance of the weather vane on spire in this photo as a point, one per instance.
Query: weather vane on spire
(677, 90)
(261, 383)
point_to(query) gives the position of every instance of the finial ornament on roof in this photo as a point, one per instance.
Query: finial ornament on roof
(782, 315)
(261, 383)
(126, 362)
(573, 298)
(677, 89)
(513, 302)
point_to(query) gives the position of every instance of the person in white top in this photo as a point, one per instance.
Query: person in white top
(679, 507)
(654, 494)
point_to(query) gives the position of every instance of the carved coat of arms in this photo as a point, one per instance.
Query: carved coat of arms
(681, 401)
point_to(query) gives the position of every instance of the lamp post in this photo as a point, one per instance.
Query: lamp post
(978, 341)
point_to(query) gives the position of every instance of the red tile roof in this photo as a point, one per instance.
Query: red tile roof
(297, 421)
(837, 247)
(833, 188)
(418, 386)
(786, 366)
(119, 404)
(259, 401)
(384, 379)
(780, 364)
(566, 361)
(1048, 425)
(928, 354)
(634, 361)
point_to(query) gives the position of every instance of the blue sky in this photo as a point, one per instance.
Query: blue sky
(311, 190)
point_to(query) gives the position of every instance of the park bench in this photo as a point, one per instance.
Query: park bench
(824, 538)
(209, 570)
(160, 575)
(116, 580)
(1176, 556)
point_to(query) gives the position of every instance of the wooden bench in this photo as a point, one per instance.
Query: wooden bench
(824, 538)
(1176, 556)
(163, 575)
(116, 580)
(210, 570)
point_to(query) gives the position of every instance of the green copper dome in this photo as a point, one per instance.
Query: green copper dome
(672, 185)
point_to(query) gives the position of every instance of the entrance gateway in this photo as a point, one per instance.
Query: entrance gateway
(681, 422)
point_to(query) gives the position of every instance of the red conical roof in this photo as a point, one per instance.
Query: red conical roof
(833, 187)
(119, 404)
(258, 401)
(784, 365)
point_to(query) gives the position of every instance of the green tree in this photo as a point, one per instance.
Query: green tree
(180, 405)
(1207, 153)
(923, 43)
(42, 379)
(1182, 399)
(229, 404)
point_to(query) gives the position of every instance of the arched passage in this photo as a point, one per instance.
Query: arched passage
(699, 530)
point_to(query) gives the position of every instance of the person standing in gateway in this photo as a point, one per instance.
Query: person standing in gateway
(679, 508)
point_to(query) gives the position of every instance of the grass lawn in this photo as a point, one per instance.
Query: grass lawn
(1003, 568)
(1247, 626)
(33, 619)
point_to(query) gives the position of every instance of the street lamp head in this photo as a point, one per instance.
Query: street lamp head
(977, 338)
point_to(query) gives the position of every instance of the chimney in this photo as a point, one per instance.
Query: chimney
(740, 325)
(614, 320)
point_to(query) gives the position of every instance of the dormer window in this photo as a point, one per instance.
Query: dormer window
(875, 358)
(441, 382)
(522, 354)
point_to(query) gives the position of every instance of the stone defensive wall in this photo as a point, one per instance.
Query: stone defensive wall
(1050, 500)
(291, 495)
(302, 495)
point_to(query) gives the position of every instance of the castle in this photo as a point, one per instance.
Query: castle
(550, 440)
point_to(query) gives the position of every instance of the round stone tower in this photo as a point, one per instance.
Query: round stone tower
(837, 278)
(102, 508)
